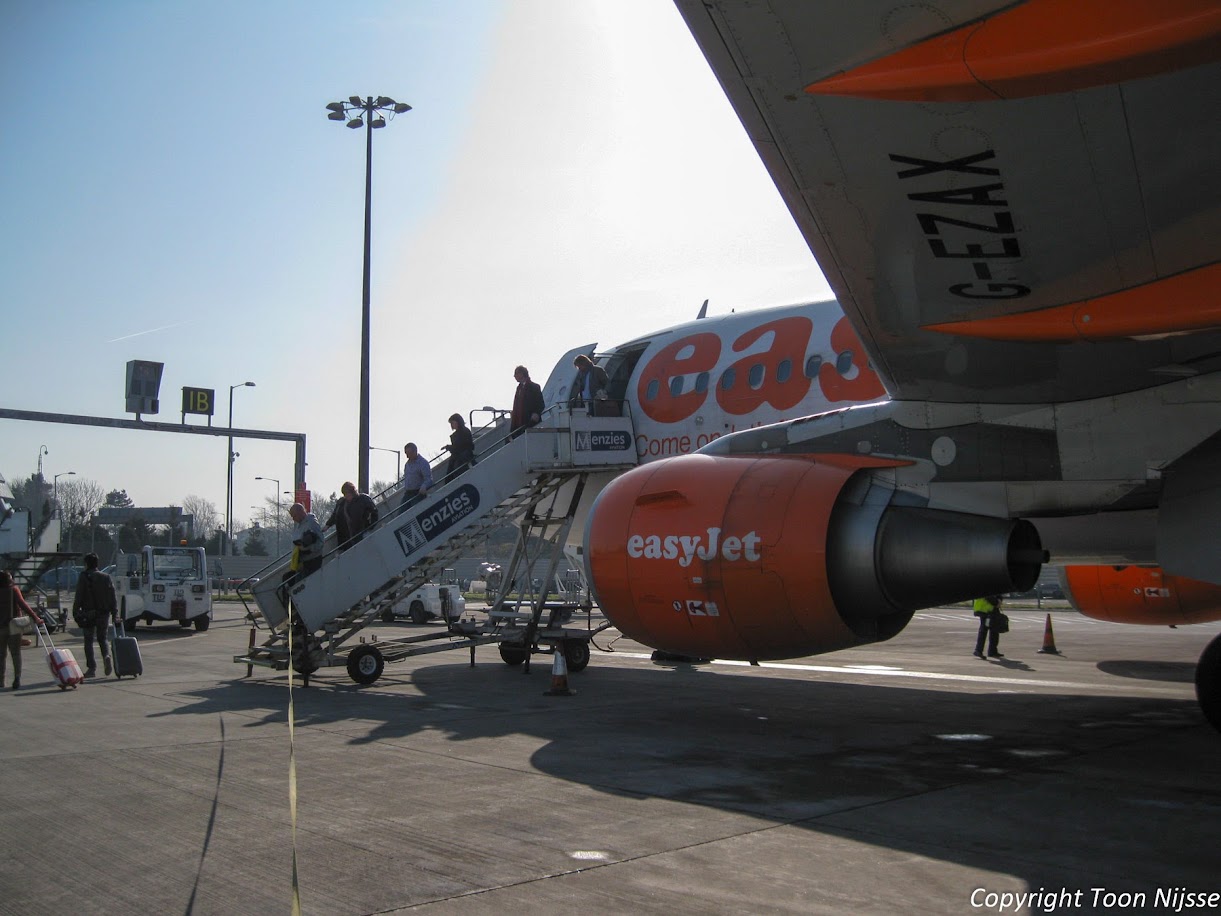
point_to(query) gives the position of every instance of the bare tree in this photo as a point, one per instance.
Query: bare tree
(79, 498)
(207, 519)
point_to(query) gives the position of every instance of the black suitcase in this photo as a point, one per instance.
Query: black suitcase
(125, 653)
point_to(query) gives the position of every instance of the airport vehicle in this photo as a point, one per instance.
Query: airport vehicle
(165, 584)
(1018, 208)
(431, 601)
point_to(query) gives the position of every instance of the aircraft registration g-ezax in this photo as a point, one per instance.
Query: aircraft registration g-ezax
(1018, 208)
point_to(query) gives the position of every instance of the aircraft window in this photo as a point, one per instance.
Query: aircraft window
(676, 386)
(843, 362)
(755, 376)
(650, 393)
(701, 382)
(728, 379)
(784, 371)
(813, 364)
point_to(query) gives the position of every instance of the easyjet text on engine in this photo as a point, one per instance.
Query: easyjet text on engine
(685, 548)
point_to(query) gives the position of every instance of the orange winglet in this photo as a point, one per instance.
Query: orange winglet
(1042, 47)
(1174, 305)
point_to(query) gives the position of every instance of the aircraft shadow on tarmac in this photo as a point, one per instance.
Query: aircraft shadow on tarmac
(852, 760)
(1178, 672)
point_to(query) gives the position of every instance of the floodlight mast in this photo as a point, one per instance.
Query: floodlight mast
(368, 113)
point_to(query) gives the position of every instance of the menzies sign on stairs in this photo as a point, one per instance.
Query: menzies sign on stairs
(440, 516)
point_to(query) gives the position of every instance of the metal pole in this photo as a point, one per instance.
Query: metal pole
(278, 516)
(363, 445)
(224, 548)
(229, 477)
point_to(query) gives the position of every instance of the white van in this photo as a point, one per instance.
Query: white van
(430, 601)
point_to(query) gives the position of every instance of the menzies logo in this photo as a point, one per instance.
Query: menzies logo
(602, 440)
(685, 548)
(438, 517)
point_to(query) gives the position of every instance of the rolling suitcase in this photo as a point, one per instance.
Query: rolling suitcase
(125, 653)
(62, 662)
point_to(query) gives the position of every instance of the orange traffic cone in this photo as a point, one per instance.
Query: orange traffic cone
(1049, 640)
(559, 675)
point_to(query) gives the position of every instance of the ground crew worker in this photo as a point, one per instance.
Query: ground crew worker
(988, 610)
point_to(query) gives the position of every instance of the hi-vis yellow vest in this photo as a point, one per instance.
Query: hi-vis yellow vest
(984, 606)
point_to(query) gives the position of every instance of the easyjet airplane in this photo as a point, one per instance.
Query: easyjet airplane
(1018, 208)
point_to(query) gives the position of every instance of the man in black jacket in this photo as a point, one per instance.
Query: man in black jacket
(360, 511)
(93, 609)
(528, 403)
(353, 515)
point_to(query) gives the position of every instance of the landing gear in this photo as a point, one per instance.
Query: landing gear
(1208, 682)
(365, 664)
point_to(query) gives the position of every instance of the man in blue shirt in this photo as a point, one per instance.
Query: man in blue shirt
(417, 475)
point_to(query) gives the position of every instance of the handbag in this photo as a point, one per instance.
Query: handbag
(17, 626)
(1002, 622)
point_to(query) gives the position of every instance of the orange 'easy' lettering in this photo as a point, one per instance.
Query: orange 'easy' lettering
(666, 407)
(865, 386)
(789, 339)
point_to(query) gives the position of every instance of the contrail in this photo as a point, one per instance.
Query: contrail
(149, 331)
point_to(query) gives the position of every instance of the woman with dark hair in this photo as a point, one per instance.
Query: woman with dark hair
(12, 604)
(461, 447)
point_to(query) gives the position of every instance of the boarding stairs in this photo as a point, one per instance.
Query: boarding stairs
(27, 554)
(523, 478)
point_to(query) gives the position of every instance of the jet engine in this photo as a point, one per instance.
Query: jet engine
(752, 557)
(1140, 594)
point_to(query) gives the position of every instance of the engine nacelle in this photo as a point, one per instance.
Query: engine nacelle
(782, 557)
(1140, 594)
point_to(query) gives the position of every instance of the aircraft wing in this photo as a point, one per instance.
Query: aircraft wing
(1014, 202)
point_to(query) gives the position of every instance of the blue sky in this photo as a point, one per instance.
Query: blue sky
(171, 190)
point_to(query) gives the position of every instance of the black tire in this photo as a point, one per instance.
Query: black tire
(512, 655)
(202, 623)
(1208, 682)
(365, 664)
(387, 615)
(417, 612)
(576, 654)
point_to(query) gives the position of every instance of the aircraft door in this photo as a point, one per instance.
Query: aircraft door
(558, 386)
(620, 366)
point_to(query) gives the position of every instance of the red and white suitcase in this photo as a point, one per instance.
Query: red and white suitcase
(62, 662)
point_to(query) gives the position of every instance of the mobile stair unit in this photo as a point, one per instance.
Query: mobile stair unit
(536, 478)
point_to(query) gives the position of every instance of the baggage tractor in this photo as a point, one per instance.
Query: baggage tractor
(125, 653)
(62, 662)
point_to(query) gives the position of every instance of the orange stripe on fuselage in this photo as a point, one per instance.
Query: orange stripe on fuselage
(1174, 305)
(1039, 48)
